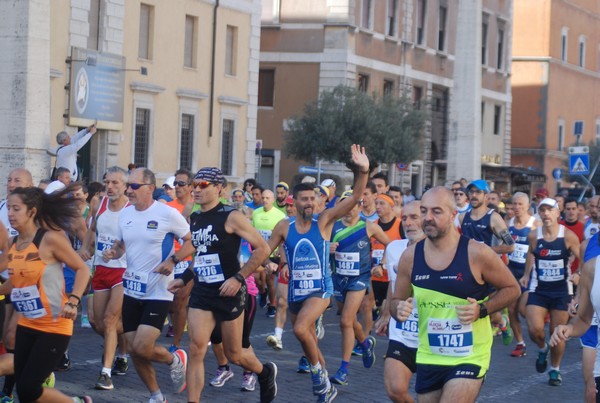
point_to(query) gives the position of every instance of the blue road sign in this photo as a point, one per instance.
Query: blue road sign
(303, 169)
(557, 173)
(579, 164)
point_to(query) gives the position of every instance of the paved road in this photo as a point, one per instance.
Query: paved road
(512, 379)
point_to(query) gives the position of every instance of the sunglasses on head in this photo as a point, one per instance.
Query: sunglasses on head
(202, 185)
(136, 186)
(181, 183)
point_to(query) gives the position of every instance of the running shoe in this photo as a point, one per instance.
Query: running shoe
(507, 334)
(375, 313)
(173, 348)
(178, 370)
(328, 396)
(248, 382)
(170, 331)
(85, 322)
(320, 328)
(368, 355)
(64, 364)
(104, 382)
(271, 311)
(357, 350)
(542, 362)
(49, 382)
(6, 398)
(83, 399)
(320, 381)
(153, 400)
(223, 375)
(555, 378)
(340, 377)
(120, 366)
(274, 342)
(262, 300)
(303, 366)
(268, 386)
(519, 351)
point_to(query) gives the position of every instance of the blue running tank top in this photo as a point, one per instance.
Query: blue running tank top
(353, 254)
(308, 260)
(478, 230)
(551, 264)
(593, 248)
(516, 259)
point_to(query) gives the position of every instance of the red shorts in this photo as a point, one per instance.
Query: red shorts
(282, 280)
(105, 278)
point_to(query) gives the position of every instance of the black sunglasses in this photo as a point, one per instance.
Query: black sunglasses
(181, 183)
(136, 186)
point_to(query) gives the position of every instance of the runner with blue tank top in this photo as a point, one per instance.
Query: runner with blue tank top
(351, 263)
(450, 277)
(550, 247)
(483, 224)
(306, 244)
(519, 227)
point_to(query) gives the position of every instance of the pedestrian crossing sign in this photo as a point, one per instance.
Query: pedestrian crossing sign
(579, 164)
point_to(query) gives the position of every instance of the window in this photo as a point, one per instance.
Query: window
(442, 28)
(578, 128)
(497, 118)
(482, 116)
(500, 50)
(365, 16)
(581, 59)
(145, 40)
(186, 141)
(561, 135)
(231, 50)
(484, 41)
(417, 96)
(227, 146)
(564, 42)
(392, 8)
(94, 21)
(388, 87)
(421, 11)
(266, 87)
(189, 51)
(363, 82)
(142, 137)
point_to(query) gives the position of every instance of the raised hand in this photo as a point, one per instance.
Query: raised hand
(359, 157)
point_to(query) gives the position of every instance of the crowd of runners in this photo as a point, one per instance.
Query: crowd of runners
(440, 276)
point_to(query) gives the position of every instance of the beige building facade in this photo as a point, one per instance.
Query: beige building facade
(385, 47)
(187, 95)
(556, 82)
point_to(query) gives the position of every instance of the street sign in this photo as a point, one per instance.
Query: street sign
(557, 174)
(579, 150)
(579, 164)
(303, 169)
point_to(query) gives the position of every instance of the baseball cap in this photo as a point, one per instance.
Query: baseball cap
(542, 192)
(210, 174)
(548, 202)
(170, 182)
(289, 201)
(347, 193)
(324, 191)
(328, 182)
(283, 185)
(54, 186)
(479, 184)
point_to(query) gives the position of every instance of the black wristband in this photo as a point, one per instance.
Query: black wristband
(483, 312)
(76, 297)
(174, 259)
(187, 276)
(239, 278)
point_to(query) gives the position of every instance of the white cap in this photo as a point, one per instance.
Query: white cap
(170, 182)
(328, 182)
(548, 202)
(54, 186)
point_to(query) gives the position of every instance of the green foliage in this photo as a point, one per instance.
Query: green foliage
(389, 128)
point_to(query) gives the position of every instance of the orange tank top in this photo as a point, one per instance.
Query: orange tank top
(38, 289)
(377, 248)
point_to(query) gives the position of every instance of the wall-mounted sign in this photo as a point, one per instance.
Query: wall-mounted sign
(96, 89)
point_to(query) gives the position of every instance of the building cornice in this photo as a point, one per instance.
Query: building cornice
(146, 87)
(191, 94)
(233, 101)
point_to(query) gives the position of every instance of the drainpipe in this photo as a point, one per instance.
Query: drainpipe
(212, 71)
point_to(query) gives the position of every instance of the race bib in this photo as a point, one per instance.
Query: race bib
(377, 255)
(306, 281)
(347, 263)
(519, 254)
(551, 270)
(449, 337)
(181, 267)
(409, 329)
(104, 242)
(135, 284)
(27, 302)
(208, 268)
(266, 234)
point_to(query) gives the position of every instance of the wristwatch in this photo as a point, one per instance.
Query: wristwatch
(483, 312)
(174, 259)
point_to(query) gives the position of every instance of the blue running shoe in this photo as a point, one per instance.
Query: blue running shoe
(369, 352)
(328, 396)
(320, 381)
(542, 362)
(357, 350)
(340, 377)
(303, 366)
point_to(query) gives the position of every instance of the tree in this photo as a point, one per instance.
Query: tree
(389, 128)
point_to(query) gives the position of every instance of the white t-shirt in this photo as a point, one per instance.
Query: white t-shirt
(406, 332)
(107, 231)
(148, 236)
